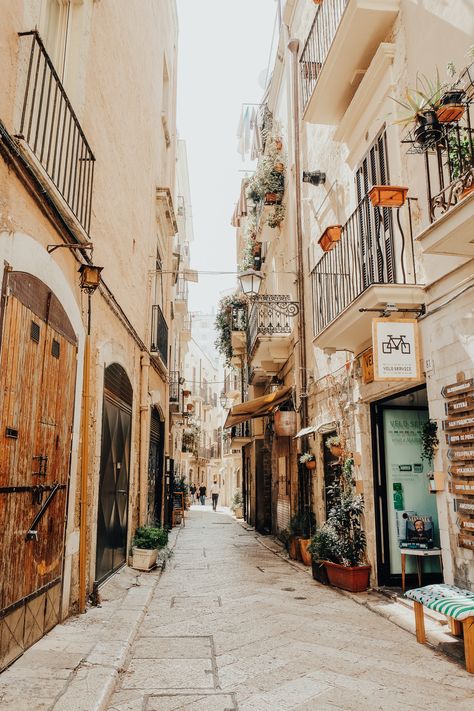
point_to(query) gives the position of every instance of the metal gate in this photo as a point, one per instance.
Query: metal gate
(114, 472)
(37, 382)
(155, 470)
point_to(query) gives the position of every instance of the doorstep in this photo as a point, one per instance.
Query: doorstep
(75, 666)
(396, 609)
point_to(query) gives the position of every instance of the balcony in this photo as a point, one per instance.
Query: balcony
(270, 327)
(175, 386)
(371, 266)
(240, 435)
(181, 295)
(238, 317)
(341, 43)
(52, 132)
(159, 334)
(449, 170)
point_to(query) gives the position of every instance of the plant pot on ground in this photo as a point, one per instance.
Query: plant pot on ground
(341, 540)
(146, 543)
(318, 569)
(302, 526)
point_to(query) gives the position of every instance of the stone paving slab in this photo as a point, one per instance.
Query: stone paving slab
(277, 639)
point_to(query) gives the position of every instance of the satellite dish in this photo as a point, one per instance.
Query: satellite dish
(262, 79)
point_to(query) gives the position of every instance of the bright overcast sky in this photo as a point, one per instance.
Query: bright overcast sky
(224, 49)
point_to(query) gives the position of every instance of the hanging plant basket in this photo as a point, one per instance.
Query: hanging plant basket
(272, 199)
(388, 195)
(311, 464)
(336, 450)
(186, 393)
(330, 237)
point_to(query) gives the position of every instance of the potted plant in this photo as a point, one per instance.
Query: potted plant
(451, 107)
(307, 523)
(334, 445)
(321, 548)
(346, 568)
(421, 105)
(295, 530)
(145, 546)
(429, 440)
(308, 459)
(238, 504)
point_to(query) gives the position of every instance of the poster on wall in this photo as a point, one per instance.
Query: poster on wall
(396, 349)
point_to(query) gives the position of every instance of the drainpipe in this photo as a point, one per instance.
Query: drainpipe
(293, 46)
(143, 456)
(84, 463)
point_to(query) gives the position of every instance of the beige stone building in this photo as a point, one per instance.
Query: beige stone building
(329, 116)
(87, 177)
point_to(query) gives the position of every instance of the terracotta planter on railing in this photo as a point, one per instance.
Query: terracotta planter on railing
(330, 237)
(388, 195)
(353, 579)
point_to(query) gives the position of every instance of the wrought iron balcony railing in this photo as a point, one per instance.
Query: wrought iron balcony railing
(159, 334)
(372, 250)
(318, 44)
(239, 318)
(174, 386)
(449, 165)
(52, 130)
(181, 293)
(270, 315)
(241, 431)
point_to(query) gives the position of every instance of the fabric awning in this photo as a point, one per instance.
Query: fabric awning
(305, 431)
(258, 407)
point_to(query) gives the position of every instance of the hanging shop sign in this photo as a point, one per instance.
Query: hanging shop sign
(467, 470)
(367, 363)
(396, 349)
(459, 432)
(463, 405)
(459, 388)
(458, 423)
(454, 454)
(460, 438)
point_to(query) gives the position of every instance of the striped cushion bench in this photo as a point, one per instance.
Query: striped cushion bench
(457, 604)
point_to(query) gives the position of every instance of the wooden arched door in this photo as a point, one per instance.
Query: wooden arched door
(114, 472)
(38, 354)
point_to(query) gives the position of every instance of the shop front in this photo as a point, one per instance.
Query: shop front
(407, 528)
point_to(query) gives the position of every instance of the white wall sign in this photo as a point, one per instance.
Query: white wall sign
(396, 349)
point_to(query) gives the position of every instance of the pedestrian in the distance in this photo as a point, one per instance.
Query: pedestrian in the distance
(202, 494)
(197, 496)
(192, 491)
(215, 491)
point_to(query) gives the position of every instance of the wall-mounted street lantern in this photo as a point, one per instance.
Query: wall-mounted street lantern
(223, 400)
(250, 282)
(90, 277)
(315, 177)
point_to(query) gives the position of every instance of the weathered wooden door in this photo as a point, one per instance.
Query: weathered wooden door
(114, 472)
(155, 470)
(37, 383)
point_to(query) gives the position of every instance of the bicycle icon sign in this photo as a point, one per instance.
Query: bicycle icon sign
(396, 343)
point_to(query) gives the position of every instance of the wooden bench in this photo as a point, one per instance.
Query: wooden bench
(456, 604)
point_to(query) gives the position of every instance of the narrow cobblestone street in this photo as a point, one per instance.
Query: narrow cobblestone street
(232, 626)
